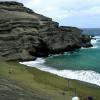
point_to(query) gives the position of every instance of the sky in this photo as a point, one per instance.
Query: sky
(79, 13)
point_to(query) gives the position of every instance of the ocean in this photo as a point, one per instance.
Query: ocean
(83, 65)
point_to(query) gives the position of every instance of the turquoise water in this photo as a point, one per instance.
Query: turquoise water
(85, 59)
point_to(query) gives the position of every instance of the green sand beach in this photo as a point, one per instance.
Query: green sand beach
(44, 84)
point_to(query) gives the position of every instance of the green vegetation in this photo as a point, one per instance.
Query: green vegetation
(46, 84)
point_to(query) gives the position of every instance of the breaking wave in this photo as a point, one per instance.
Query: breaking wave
(82, 75)
(95, 42)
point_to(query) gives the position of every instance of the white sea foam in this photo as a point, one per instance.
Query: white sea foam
(82, 75)
(97, 37)
(95, 42)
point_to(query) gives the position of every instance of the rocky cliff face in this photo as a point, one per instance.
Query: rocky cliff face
(25, 34)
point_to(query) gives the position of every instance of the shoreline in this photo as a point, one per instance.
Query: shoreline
(79, 81)
(89, 77)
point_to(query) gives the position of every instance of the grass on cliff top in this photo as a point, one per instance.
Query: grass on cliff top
(46, 84)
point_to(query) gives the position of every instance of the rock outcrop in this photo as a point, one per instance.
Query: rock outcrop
(25, 34)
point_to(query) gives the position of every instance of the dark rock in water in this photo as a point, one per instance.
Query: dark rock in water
(92, 36)
(25, 34)
(86, 41)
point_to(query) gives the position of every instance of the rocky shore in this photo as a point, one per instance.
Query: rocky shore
(25, 35)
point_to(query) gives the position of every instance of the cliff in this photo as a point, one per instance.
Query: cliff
(25, 34)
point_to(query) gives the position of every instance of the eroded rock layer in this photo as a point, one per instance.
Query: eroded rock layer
(25, 34)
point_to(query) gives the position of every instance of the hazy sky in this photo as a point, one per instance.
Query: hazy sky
(80, 13)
